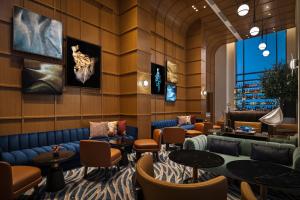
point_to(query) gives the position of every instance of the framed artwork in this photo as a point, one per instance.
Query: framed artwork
(172, 72)
(83, 63)
(171, 92)
(37, 34)
(42, 78)
(157, 79)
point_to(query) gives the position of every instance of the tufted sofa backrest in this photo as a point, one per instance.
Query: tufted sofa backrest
(27, 141)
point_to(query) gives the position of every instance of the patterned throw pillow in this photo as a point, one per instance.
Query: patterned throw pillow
(112, 128)
(122, 127)
(182, 120)
(98, 129)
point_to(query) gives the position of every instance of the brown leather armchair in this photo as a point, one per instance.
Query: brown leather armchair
(154, 189)
(15, 180)
(174, 135)
(255, 125)
(95, 153)
(203, 127)
(246, 192)
(148, 145)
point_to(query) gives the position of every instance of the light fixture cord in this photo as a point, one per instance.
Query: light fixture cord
(254, 13)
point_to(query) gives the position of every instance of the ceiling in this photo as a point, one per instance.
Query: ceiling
(179, 14)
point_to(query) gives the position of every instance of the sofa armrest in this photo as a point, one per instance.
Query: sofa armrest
(132, 131)
(195, 143)
(296, 159)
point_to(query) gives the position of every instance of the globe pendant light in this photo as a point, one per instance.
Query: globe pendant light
(254, 31)
(243, 10)
(262, 46)
(266, 53)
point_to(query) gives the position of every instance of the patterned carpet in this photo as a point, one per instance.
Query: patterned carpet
(119, 186)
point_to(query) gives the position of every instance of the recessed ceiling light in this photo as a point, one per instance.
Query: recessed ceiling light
(196, 10)
(267, 7)
(204, 6)
(193, 6)
(269, 14)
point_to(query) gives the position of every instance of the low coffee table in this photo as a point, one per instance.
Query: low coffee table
(196, 159)
(122, 144)
(265, 174)
(55, 178)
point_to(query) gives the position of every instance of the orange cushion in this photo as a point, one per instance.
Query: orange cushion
(24, 175)
(193, 133)
(145, 144)
(115, 154)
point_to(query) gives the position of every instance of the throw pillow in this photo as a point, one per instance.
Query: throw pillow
(224, 147)
(193, 119)
(112, 128)
(98, 129)
(122, 127)
(270, 154)
(182, 120)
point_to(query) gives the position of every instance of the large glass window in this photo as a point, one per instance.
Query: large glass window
(250, 64)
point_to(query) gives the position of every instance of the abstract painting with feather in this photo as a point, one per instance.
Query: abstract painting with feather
(36, 34)
(42, 78)
(83, 63)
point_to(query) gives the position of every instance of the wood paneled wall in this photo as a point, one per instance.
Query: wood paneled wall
(96, 22)
(132, 35)
(195, 70)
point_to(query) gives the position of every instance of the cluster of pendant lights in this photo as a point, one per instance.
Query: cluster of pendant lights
(242, 11)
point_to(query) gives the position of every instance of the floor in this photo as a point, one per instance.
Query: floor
(119, 186)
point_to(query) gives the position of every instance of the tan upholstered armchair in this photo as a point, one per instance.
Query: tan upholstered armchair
(246, 192)
(148, 145)
(255, 125)
(174, 135)
(154, 189)
(16, 180)
(98, 154)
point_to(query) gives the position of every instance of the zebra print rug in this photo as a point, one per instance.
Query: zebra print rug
(120, 186)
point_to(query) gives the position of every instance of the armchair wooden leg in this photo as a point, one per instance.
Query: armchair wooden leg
(167, 147)
(137, 155)
(155, 156)
(35, 194)
(85, 172)
(105, 173)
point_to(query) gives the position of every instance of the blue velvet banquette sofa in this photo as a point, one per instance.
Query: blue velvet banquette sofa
(160, 124)
(20, 149)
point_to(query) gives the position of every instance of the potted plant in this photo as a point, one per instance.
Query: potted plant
(280, 82)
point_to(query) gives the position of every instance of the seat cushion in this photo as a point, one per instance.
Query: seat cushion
(193, 133)
(145, 144)
(115, 154)
(23, 175)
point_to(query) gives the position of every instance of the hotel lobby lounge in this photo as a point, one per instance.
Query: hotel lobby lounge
(149, 99)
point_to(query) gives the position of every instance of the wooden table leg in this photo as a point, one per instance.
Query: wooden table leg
(263, 192)
(195, 174)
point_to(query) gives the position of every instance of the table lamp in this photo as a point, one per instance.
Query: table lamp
(273, 118)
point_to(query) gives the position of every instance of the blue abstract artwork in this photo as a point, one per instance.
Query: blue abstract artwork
(157, 79)
(171, 92)
(36, 34)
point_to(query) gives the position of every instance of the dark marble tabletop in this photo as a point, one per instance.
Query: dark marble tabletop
(265, 173)
(196, 158)
(48, 158)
